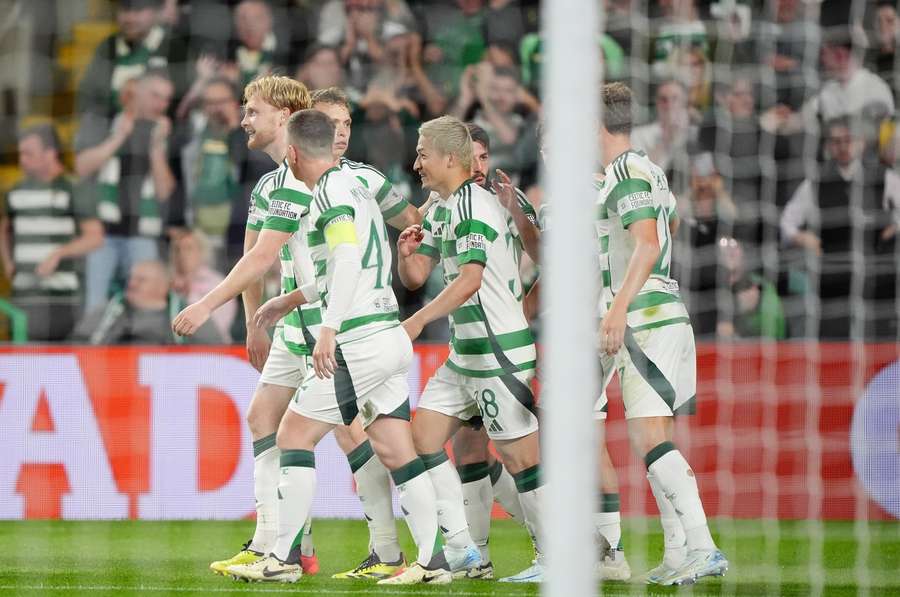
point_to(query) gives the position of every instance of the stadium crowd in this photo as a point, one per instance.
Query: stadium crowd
(775, 122)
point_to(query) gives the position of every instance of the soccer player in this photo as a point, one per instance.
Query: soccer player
(361, 360)
(607, 519)
(492, 357)
(269, 101)
(647, 334)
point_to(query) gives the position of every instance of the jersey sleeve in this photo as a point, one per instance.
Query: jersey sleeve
(632, 198)
(286, 206)
(390, 201)
(428, 246)
(475, 228)
(334, 214)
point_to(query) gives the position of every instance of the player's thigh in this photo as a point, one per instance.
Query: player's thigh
(652, 371)
(507, 404)
(446, 393)
(282, 367)
(377, 376)
(470, 445)
(296, 432)
(520, 453)
(607, 366)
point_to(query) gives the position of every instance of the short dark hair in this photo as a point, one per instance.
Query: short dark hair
(311, 132)
(837, 121)
(331, 95)
(617, 108)
(47, 134)
(479, 135)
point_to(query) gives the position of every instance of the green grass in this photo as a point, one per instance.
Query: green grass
(171, 558)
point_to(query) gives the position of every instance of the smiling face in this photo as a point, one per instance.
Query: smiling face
(340, 117)
(430, 164)
(262, 122)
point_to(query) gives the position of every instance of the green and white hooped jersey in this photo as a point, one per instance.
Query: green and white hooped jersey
(633, 189)
(489, 333)
(277, 202)
(340, 199)
(390, 202)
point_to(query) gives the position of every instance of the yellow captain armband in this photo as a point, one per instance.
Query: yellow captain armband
(340, 230)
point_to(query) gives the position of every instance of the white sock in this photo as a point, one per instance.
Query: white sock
(295, 495)
(420, 510)
(609, 524)
(674, 539)
(307, 547)
(680, 487)
(505, 491)
(373, 486)
(527, 482)
(478, 501)
(448, 493)
(265, 485)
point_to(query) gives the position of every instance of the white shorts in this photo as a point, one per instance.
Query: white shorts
(504, 403)
(284, 368)
(371, 380)
(657, 372)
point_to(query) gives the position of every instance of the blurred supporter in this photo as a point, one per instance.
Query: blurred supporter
(453, 31)
(322, 68)
(612, 57)
(492, 94)
(209, 164)
(789, 44)
(756, 310)
(708, 214)
(504, 22)
(883, 51)
(141, 314)
(846, 220)
(129, 163)
(46, 227)
(194, 277)
(667, 139)
(255, 51)
(677, 33)
(142, 43)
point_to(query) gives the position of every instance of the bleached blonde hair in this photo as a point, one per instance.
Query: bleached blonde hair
(279, 91)
(450, 136)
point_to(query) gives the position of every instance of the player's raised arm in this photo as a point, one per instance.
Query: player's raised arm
(415, 257)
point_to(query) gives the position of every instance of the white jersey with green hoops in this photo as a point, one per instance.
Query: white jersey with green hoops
(390, 202)
(634, 189)
(339, 200)
(489, 333)
(277, 202)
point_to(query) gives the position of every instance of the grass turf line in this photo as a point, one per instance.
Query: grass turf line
(171, 558)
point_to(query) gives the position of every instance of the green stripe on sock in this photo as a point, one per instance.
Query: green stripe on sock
(473, 472)
(360, 455)
(529, 479)
(496, 471)
(410, 470)
(298, 458)
(433, 460)
(263, 444)
(609, 502)
(657, 453)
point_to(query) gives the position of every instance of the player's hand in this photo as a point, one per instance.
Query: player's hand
(47, 266)
(324, 362)
(506, 193)
(191, 319)
(413, 328)
(258, 345)
(409, 240)
(612, 331)
(269, 314)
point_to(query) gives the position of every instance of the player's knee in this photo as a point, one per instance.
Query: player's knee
(344, 439)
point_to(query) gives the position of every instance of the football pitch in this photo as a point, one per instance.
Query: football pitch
(171, 558)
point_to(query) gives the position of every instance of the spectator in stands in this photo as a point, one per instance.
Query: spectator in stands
(141, 314)
(755, 310)
(209, 165)
(846, 220)
(322, 68)
(130, 166)
(141, 44)
(255, 50)
(454, 39)
(789, 44)
(667, 139)
(194, 277)
(46, 227)
(708, 214)
(493, 94)
(883, 51)
(678, 32)
(504, 22)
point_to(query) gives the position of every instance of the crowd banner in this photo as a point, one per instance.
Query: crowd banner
(789, 430)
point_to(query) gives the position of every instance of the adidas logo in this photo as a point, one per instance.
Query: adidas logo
(495, 426)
